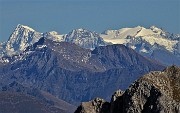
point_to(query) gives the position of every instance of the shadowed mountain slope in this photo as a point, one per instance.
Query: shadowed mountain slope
(75, 74)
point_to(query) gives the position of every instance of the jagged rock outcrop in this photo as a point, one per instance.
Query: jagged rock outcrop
(156, 92)
(97, 105)
(116, 94)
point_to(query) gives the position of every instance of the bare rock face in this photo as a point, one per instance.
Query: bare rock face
(156, 92)
(97, 105)
(116, 94)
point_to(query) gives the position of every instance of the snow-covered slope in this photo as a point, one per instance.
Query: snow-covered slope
(55, 36)
(147, 41)
(1, 49)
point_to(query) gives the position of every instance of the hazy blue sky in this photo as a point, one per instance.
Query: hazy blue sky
(96, 15)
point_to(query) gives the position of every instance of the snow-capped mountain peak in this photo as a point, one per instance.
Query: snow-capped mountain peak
(22, 37)
(85, 38)
(82, 37)
(147, 41)
(135, 32)
(20, 26)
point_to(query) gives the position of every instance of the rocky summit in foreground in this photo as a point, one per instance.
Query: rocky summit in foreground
(156, 92)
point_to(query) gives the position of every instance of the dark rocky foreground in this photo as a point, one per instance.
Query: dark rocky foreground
(156, 92)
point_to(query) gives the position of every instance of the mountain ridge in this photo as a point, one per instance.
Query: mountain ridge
(65, 72)
(44, 97)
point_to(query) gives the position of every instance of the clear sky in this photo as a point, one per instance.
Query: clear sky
(96, 15)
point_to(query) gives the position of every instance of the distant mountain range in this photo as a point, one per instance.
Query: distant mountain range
(72, 73)
(154, 43)
(59, 71)
(156, 92)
